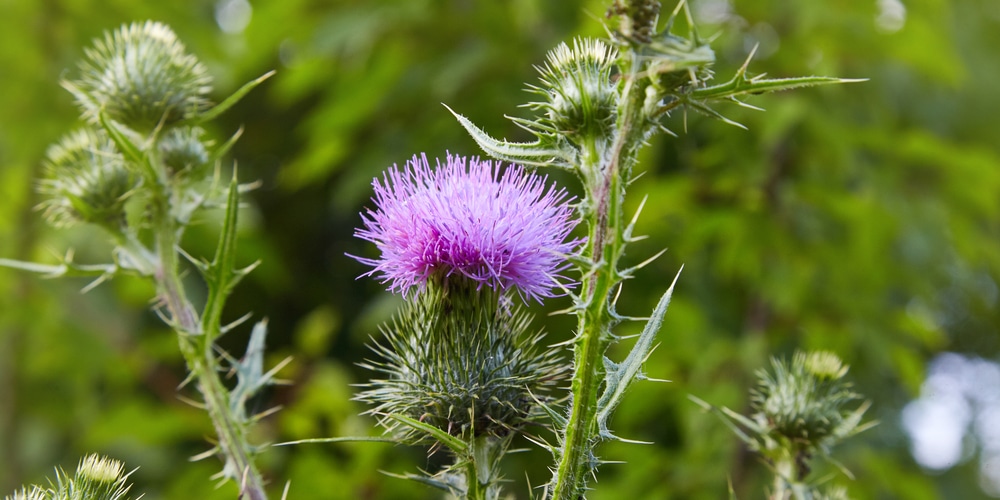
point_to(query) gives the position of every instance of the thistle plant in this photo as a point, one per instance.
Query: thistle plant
(467, 243)
(798, 412)
(599, 103)
(139, 170)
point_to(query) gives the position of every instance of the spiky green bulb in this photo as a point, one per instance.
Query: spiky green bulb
(462, 360)
(581, 98)
(183, 150)
(803, 401)
(141, 75)
(86, 180)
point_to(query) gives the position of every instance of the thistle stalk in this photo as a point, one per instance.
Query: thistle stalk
(197, 346)
(603, 175)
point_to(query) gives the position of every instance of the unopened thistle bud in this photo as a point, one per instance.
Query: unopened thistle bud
(804, 401)
(463, 361)
(140, 76)
(581, 99)
(87, 180)
(97, 478)
(98, 469)
(183, 151)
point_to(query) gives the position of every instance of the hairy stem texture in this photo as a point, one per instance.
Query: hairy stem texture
(198, 350)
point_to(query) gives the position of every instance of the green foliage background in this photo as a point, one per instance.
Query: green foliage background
(862, 219)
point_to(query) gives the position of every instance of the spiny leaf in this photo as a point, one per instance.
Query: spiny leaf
(620, 376)
(525, 153)
(739, 85)
(220, 275)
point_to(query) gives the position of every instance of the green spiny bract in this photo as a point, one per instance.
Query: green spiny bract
(87, 180)
(461, 360)
(140, 76)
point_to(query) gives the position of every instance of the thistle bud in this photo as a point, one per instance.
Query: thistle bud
(804, 401)
(140, 76)
(183, 151)
(462, 360)
(581, 99)
(87, 180)
(33, 493)
(99, 470)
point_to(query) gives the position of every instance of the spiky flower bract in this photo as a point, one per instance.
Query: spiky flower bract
(87, 180)
(500, 228)
(463, 361)
(140, 75)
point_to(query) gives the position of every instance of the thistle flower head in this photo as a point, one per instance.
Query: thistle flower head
(498, 228)
(140, 75)
(87, 180)
(464, 363)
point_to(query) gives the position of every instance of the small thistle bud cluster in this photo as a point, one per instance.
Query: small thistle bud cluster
(96, 478)
(137, 90)
(141, 76)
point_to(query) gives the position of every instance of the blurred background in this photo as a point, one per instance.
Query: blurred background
(863, 219)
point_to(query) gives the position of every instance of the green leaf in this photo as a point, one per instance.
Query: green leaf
(345, 439)
(740, 86)
(525, 153)
(619, 376)
(62, 270)
(230, 101)
(456, 445)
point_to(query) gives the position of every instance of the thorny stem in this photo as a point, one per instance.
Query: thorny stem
(197, 348)
(605, 246)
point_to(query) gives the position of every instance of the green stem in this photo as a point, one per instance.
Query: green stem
(197, 348)
(478, 469)
(784, 470)
(605, 246)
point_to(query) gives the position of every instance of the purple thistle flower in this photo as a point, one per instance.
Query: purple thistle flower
(467, 218)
